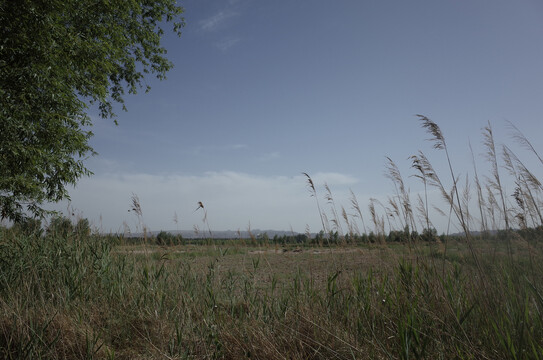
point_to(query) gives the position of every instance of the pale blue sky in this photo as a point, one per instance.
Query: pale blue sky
(264, 90)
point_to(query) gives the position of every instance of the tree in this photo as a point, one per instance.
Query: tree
(57, 58)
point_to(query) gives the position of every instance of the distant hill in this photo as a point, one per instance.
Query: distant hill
(225, 234)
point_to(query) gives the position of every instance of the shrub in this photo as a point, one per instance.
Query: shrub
(166, 238)
(60, 226)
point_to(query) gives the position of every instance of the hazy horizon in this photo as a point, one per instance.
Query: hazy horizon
(262, 92)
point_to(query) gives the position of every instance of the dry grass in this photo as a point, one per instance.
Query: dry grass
(292, 302)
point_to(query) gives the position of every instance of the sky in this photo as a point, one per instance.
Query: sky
(262, 91)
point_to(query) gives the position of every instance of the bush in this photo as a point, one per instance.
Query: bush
(82, 228)
(166, 238)
(60, 226)
(28, 227)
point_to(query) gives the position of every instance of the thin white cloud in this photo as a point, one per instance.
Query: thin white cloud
(227, 43)
(214, 22)
(232, 200)
(332, 178)
(197, 150)
(269, 156)
(237, 146)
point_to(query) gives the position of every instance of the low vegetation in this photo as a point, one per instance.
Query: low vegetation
(82, 296)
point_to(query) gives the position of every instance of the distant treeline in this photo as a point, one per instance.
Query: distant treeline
(64, 227)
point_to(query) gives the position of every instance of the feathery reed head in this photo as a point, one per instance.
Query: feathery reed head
(393, 173)
(136, 207)
(328, 195)
(417, 164)
(310, 183)
(434, 130)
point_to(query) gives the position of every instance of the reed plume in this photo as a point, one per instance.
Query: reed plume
(356, 207)
(335, 218)
(416, 163)
(495, 181)
(526, 183)
(466, 196)
(345, 217)
(440, 144)
(393, 173)
(480, 197)
(517, 135)
(204, 219)
(313, 192)
(136, 209)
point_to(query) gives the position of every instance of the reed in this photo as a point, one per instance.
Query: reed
(313, 192)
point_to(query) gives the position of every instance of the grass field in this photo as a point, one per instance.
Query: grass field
(88, 297)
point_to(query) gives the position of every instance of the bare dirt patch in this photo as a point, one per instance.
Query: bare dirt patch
(304, 251)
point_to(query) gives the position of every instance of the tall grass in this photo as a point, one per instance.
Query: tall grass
(63, 299)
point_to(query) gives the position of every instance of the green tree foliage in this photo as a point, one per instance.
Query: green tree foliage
(57, 58)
